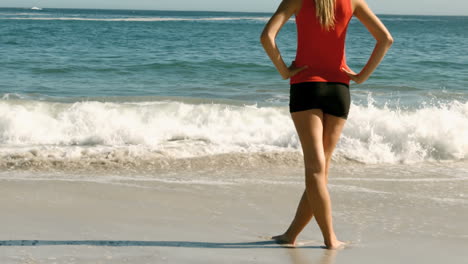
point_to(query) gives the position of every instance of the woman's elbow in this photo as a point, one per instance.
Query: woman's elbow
(265, 37)
(262, 38)
(389, 40)
(386, 40)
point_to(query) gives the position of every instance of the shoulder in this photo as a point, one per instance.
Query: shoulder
(293, 2)
(358, 5)
(293, 5)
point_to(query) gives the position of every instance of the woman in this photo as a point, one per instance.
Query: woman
(319, 93)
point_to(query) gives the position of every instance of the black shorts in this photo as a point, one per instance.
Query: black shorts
(331, 97)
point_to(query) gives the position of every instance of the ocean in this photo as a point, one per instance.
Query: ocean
(133, 136)
(116, 89)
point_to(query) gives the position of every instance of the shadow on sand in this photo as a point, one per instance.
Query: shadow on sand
(297, 255)
(133, 243)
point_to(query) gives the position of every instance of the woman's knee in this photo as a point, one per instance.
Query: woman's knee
(313, 179)
(315, 167)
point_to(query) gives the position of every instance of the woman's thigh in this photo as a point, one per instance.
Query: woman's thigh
(309, 127)
(332, 128)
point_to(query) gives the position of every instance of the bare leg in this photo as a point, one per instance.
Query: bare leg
(301, 219)
(309, 125)
(331, 127)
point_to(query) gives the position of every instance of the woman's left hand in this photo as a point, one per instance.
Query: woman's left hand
(293, 70)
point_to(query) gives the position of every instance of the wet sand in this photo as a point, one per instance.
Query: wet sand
(128, 221)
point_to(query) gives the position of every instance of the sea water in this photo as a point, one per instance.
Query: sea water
(115, 89)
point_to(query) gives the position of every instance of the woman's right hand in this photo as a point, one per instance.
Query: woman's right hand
(356, 77)
(293, 70)
(382, 36)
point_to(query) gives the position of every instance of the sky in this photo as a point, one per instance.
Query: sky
(416, 7)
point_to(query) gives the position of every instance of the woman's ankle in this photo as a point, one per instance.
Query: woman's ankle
(285, 238)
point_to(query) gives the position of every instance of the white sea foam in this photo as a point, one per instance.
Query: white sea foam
(155, 131)
(432, 132)
(210, 128)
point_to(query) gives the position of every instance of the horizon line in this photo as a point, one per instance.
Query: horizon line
(214, 11)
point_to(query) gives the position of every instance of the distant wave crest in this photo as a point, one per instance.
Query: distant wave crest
(143, 19)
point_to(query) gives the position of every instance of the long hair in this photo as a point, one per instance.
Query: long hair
(325, 11)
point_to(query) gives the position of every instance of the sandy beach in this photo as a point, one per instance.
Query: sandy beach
(104, 219)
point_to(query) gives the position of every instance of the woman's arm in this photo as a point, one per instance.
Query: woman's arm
(381, 35)
(285, 10)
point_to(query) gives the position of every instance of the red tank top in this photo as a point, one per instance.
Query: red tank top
(323, 51)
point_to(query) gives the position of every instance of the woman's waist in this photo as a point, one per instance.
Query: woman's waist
(314, 68)
(321, 74)
(320, 60)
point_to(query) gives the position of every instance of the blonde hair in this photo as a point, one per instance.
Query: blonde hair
(325, 12)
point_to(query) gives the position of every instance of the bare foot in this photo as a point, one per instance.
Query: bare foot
(284, 240)
(336, 244)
